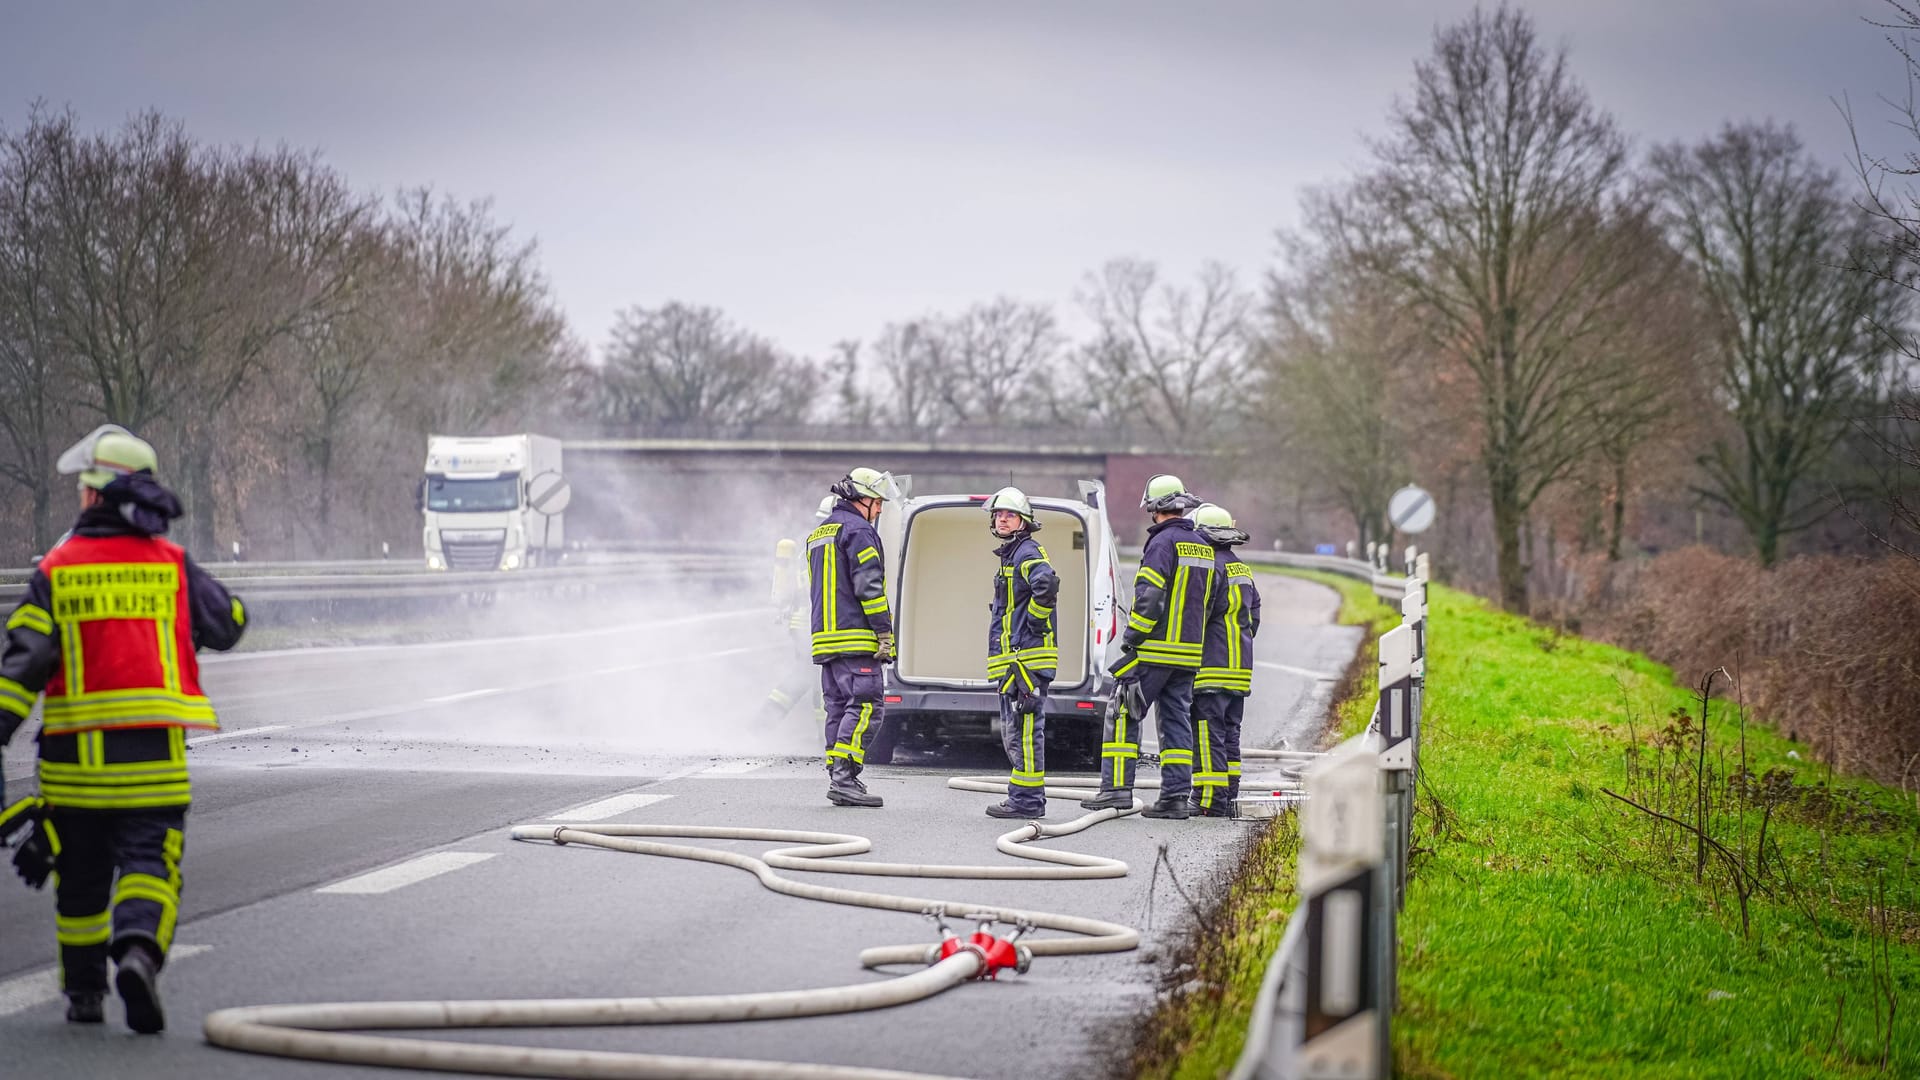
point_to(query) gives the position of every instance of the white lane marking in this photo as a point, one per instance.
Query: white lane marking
(411, 872)
(465, 695)
(41, 986)
(606, 808)
(621, 669)
(240, 734)
(731, 768)
(1291, 670)
(624, 628)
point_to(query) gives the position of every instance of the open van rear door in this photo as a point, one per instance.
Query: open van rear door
(1103, 591)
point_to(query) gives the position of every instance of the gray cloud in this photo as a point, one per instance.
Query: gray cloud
(818, 169)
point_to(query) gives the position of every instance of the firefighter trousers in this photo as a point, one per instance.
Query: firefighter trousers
(1216, 776)
(851, 686)
(118, 883)
(1169, 693)
(1023, 734)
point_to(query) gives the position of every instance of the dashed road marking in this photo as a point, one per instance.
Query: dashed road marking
(411, 872)
(465, 695)
(240, 734)
(1291, 670)
(41, 986)
(606, 808)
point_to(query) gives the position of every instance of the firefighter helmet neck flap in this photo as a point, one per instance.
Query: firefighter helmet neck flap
(1165, 494)
(1217, 527)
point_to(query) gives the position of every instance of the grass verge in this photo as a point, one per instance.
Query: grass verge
(1553, 929)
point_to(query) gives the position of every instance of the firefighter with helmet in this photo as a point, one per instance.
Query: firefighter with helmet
(1022, 651)
(852, 627)
(790, 609)
(1160, 653)
(108, 631)
(1226, 667)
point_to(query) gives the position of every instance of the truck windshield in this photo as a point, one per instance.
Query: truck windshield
(445, 496)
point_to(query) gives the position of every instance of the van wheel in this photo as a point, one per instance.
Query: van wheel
(880, 749)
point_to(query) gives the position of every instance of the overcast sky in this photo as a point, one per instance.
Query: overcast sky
(818, 169)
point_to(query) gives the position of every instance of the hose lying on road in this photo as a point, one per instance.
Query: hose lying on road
(323, 1032)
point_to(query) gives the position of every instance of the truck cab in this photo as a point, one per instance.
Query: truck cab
(492, 502)
(942, 571)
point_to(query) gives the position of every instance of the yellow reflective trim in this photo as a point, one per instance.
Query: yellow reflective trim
(239, 612)
(859, 732)
(1151, 575)
(867, 555)
(33, 617)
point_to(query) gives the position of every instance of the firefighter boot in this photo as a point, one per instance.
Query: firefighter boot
(1109, 799)
(842, 791)
(1172, 808)
(86, 1008)
(137, 979)
(1006, 809)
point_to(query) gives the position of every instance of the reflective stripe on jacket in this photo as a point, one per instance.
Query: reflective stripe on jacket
(1233, 618)
(1171, 593)
(1021, 626)
(847, 572)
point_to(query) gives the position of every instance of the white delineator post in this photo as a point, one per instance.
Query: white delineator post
(1342, 881)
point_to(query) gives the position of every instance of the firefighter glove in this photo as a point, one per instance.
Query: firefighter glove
(884, 653)
(34, 859)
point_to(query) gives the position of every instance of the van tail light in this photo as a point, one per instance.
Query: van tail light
(894, 699)
(1086, 705)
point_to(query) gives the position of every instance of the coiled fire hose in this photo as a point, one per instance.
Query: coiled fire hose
(328, 1032)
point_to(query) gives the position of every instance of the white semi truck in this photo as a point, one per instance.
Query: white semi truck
(493, 502)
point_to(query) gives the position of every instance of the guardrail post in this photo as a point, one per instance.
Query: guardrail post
(1422, 568)
(1343, 1003)
(1408, 567)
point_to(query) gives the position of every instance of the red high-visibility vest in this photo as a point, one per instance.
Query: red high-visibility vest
(125, 626)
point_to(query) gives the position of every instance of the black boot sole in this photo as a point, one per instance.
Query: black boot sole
(1014, 815)
(1165, 815)
(869, 803)
(142, 999)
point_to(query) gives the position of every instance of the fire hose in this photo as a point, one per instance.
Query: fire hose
(328, 1032)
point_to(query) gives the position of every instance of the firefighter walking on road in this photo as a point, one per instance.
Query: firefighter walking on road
(790, 608)
(852, 628)
(1226, 667)
(108, 630)
(1160, 652)
(1022, 652)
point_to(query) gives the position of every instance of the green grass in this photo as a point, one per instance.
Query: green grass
(1551, 930)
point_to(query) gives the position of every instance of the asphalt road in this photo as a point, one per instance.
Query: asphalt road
(409, 762)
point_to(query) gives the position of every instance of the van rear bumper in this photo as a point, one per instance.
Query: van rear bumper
(1077, 704)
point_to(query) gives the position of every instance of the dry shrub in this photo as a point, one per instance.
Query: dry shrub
(1826, 649)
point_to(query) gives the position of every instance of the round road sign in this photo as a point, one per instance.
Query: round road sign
(548, 493)
(1410, 510)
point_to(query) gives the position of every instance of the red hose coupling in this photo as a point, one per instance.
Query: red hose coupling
(996, 954)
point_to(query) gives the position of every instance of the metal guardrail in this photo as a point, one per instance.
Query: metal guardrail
(1386, 586)
(1325, 1006)
(278, 583)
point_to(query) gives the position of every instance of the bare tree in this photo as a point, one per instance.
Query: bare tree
(903, 352)
(1801, 342)
(1493, 209)
(1331, 374)
(687, 368)
(35, 379)
(992, 363)
(1165, 357)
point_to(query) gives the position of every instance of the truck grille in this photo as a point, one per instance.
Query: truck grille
(473, 554)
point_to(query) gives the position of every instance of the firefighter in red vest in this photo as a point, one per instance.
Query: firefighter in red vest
(108, 631)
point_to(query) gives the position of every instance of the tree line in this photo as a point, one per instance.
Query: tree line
(1579, 344)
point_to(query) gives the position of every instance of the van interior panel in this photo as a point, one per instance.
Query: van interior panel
(949, 573)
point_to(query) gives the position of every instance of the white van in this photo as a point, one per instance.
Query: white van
(941, 571)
